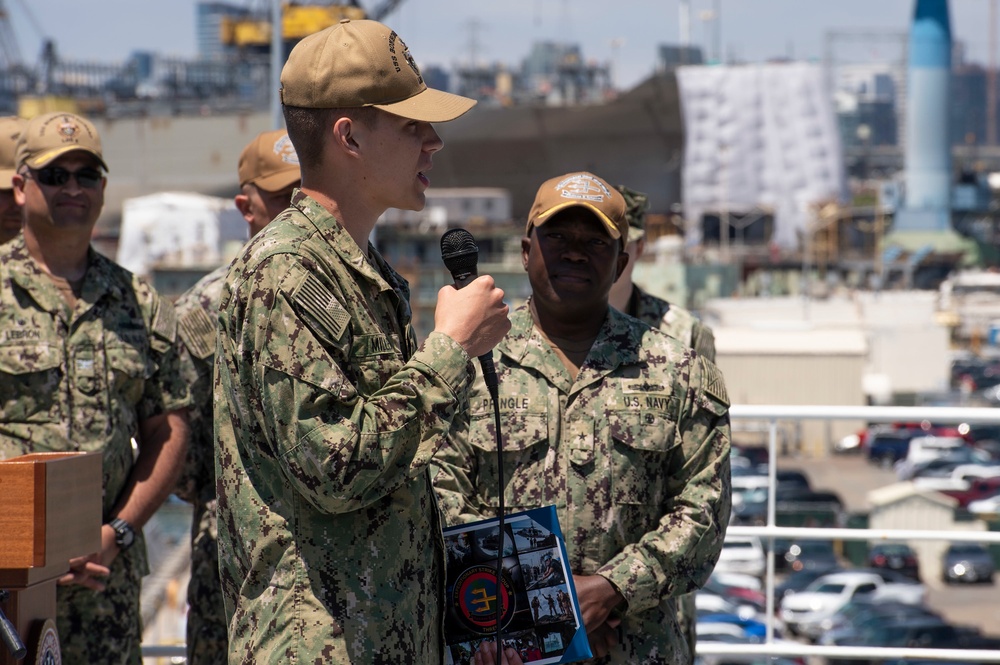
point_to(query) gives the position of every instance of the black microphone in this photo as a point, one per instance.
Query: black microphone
(461, 257)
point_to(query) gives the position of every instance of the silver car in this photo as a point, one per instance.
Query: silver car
(967, 562)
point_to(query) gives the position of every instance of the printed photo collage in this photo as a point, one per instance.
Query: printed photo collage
(540, 617)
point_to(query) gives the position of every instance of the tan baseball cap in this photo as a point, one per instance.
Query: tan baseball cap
(269, 162)
(363, 63)
(10, 128)
(584, 190)
(636, 204)
(52, 135)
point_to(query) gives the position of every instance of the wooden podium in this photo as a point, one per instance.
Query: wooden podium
(50, 512)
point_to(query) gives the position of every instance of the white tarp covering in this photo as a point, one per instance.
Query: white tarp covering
(759, 136)
(179, 229)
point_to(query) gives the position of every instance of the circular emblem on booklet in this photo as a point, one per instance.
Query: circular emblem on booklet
(48, 652)
(475, 598)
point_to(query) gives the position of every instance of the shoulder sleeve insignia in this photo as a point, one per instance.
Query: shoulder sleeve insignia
(165, 321)
(714, 385)
(322, 305)
(704, 342)
(197, 330)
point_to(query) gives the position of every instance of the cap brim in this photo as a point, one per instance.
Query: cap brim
(7, 178)
(44, 158)
(278, 181)
(430, 105)
(608, 224)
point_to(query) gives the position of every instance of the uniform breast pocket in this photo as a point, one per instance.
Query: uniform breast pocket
(525, 456)
(30, 378)
(641, 444)
(128, 370)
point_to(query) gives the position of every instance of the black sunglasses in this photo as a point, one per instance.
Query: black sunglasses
(57, 176)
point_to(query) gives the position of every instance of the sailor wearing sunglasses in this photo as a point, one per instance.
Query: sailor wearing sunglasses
(88, 362)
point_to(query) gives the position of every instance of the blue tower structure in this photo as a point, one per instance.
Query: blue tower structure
(927, 204)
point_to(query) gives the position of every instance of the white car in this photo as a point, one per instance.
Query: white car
(741, 555)
(987, 506)
(805, 612)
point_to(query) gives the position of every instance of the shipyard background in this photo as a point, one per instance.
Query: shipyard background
(789, 201)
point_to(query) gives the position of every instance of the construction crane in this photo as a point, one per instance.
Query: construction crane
(253, 31)
(10, 52)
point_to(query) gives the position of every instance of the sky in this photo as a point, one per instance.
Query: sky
(624, 34)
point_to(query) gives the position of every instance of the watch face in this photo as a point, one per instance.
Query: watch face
(124, 535)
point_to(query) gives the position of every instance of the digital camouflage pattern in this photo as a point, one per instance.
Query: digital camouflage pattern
(675, 321)
(83, 380)
(685, 326)
(327, 416)
(197, 316)
(634, 454)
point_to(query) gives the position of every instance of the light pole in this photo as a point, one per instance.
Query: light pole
(277, 61)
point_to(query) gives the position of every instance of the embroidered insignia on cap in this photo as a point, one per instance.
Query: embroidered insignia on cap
(285, 151)
(582, 187)
(411, 62)
(68, 128)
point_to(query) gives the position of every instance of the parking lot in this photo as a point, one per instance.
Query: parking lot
(853, 477)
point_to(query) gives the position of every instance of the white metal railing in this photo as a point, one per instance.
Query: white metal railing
(772, 414)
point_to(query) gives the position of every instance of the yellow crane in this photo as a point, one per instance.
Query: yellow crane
(253, 31)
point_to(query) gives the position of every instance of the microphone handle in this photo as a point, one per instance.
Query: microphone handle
(462, 280)
(10, 638)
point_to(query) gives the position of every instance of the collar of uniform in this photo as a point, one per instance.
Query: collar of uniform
(616, 344)
(26, 274)
(329, 227)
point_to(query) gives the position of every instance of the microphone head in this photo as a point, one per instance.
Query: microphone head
(459, 251)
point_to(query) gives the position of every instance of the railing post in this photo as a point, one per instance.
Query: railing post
(772, 475)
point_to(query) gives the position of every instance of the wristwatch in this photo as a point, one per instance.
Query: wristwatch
(124, 533)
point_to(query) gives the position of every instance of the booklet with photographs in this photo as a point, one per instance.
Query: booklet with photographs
(541, 617)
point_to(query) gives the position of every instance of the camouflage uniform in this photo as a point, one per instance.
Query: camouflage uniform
(197, 314)
(684, 326)
(83, 381)
(673, 320)
(327, 416)
(634, 454)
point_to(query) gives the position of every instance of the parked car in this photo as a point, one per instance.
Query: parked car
(988, 505)
(915, 632)
(749, 505)
(791, 478)
(741, 555)
(806, 554)
(752, 628)
(967, 562)
(895, 556)
(799, 581)
(740, 595)
(887, 447)
(862, 611)
(979, 488)
(923, 449)
(899, 587)
(804, 612)
(757, 455)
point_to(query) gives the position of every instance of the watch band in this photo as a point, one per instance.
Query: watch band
(124, 533)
